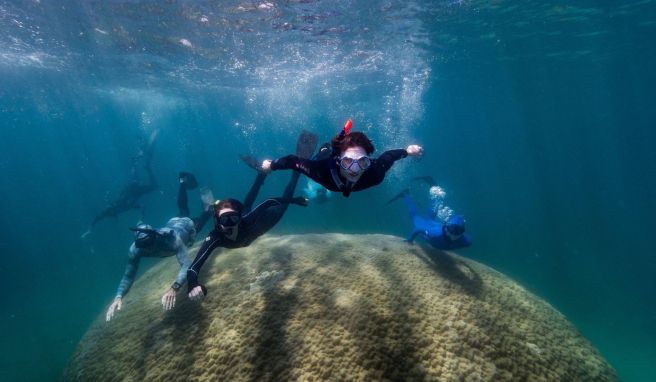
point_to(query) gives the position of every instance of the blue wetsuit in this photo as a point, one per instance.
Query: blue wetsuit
(432, 231)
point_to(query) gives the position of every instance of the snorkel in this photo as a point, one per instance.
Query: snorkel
(146, 236)
(346, 130)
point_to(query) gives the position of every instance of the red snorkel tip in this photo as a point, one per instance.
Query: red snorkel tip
(347, 126)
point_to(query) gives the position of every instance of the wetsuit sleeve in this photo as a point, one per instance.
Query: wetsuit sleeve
(211, 242)
(292, 162)
(184, 261)
(387, 159)
(130, 272)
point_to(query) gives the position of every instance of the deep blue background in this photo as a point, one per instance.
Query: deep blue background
(538, 120)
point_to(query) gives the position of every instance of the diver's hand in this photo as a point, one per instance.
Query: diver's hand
(266, 166)
(116, 306)
(415, 150)
(168, 300)
(197, 293)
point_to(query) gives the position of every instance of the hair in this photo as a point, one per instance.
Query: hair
(355, 138)
(233, 204)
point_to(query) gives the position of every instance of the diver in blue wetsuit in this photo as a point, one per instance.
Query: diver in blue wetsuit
(445, 236)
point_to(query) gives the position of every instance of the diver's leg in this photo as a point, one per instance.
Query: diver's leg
(183, 201)
(252, 193)
(200, 221)
(410, 205)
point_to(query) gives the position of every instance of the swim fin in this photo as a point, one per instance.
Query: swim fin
(400, 195)
(299, 200)
(207, 197)
(428, 179)
(189, 180)
(325, 151)
(251, 162)
(306, 144)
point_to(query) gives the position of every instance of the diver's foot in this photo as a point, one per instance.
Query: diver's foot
(188, 180)
(301, 201)
(251, 162)
(306, 144)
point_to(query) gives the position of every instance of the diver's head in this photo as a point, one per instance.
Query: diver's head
(454, 227)
(353, 162)
(227, 216)
(144, 236)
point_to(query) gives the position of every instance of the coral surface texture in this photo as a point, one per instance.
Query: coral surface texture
(335, 307)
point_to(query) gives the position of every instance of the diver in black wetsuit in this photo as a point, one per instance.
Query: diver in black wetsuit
(345, 165)
(236, 227)
(129, 197)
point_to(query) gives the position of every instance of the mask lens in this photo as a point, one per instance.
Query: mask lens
(455, 230)
(229, 219)
(346, 162)
(364, 163)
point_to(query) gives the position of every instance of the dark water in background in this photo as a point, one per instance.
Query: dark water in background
(538, 120)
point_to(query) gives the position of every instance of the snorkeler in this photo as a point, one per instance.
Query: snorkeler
(344, 165)
(129, 197)
(173, 239)
(236, 225)
(448, 233)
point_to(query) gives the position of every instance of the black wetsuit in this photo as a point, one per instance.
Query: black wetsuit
(253, 225)
(326, 171)
(129, 198)
(183, 209)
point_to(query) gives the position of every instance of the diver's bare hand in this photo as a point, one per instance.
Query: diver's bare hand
(168, 300)
(266, 166)
(415, 150)
(197, 293)
(116, 306)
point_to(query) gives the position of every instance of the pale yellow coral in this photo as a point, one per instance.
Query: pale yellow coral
(340, 308)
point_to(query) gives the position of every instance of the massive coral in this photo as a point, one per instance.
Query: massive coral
(336, 307)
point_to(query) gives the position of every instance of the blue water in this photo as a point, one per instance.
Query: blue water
(536, 118)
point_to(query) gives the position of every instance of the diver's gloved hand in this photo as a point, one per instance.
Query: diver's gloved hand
(197, 293)
(266, 166)
(168, 300)
(415, 150)
(116, 306)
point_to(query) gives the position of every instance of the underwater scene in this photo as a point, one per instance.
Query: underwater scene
(313, 190)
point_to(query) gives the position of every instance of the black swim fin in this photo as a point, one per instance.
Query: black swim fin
(400, 195)
(428, 179)
(299, 200)
(306, 144)
(251, 162)
(189, 180)
(325, 151)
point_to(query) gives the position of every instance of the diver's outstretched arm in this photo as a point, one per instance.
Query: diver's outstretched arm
(196, 291)
(168, 300)
(126, 282)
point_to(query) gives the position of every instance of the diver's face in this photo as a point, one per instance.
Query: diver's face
(353, 156)
(228, 222)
